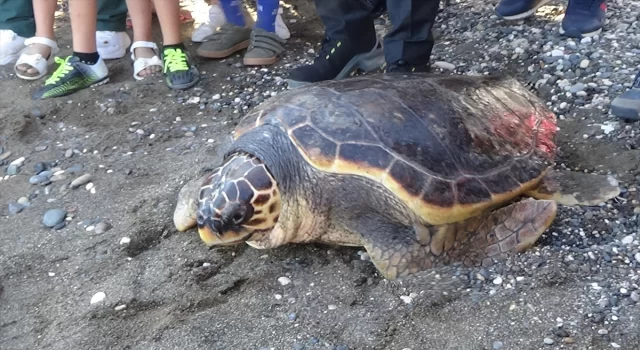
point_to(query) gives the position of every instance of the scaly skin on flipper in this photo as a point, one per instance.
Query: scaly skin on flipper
(184, 215)
(478, 241)
(572, 188)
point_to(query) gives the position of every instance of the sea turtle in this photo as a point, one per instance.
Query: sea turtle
(421, 170)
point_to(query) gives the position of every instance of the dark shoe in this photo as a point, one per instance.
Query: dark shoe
(518, 9)
(225, 41)
(584, 18)
(179, 70)
(337, 60)
(627, 105)
(264, 48)
(402, 66)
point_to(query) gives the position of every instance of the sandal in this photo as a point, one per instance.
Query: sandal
(36, 60)
(140, 64)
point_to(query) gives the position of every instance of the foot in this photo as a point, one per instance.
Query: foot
(584, 18)
(402, 66)
(146, 60)
(112, 45)
(10, 46)
(264, 48)
(35, 57)
(225, 41)
(518, 9)
(216, 19)
(338, 60)
(627, 105)
(71, 76)
(179, 69)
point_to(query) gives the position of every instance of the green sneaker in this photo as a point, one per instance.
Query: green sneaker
(71, 76)
(179, 71)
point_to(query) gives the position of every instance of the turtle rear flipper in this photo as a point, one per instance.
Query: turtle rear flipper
(478, 241)
(572, 188)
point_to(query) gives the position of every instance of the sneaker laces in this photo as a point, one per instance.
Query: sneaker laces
(175, 60)
(62, 70)
(326, 48)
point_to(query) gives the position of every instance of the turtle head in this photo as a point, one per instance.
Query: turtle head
(238, 201)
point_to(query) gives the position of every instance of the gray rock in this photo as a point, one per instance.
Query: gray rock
(15, 208)
(12, 169)
(80, 181)
(497, 345)
(38, 179)
(577, 88)
(103, 227)
(54, 217)
(548, 341)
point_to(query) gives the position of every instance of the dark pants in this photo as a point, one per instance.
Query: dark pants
(410, 38)
(17, 15)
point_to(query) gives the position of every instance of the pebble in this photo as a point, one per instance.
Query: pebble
(341, 347)
(12, 170)
(80, 181)
(125, 240)
(444, 65)
(584, 64)
(40, 167)
(53, 217)
(5, 155)
(18, 162)
(41, 148)
(637, 257)
(284, 281)
(98, 297)
(548, 341)
(615, 345)
(38, 179)
(120, 307)
(15, 208)
(102, 227)
(68, 153)
(497, 280)
(23, 201)
(635, 296)
(497, 345)
(603, 331)
(627, 239)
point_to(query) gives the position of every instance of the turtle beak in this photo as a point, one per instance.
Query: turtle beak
(211, 237)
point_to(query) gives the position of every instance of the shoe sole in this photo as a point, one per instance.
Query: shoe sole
(254, 61)
(223, 54)
(366, 62)
(525, 14)
(185, 86)
(625, 108)
(580, 35)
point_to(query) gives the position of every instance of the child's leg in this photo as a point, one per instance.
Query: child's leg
(43, 11)
(178, 68)
(84, 68)
(233, 12)
(141, 18)
(267, 12)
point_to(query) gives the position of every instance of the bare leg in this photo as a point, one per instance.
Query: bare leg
(141, 18)
(43, 11)
(169, 16)
(83, 15)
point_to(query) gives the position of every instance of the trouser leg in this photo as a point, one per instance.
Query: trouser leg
(410, 38)
(17, 15)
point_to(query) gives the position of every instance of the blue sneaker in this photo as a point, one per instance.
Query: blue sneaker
(518, 9)
(584, 18)
(627, 105)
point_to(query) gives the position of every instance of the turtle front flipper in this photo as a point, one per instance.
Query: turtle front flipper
(479, 241)
(184, 216)
(572, 188)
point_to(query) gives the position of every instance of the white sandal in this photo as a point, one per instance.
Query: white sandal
(36, 60)
(140, 64)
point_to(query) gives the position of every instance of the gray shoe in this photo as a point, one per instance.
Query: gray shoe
(225, 41)
(627, 105)
(264, 48)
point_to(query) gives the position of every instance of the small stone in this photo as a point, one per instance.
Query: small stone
(298, 346)
(125, 240)
(284, 281)
(586, 40)
(577, 88)
(80, 181)
(557, 53)
(60, 226)
(623, 291)
(444, 65)
(53, 217)
(18, 162)
(89, 186)
(41, 148)
(603, 331)
(568, 340)
(40, 167)
(51, 274)
(341, 347)
(38, 179)
(407, 299)
(548, 341)
(637, 257)
(98, 297)
(497, 280)
(615, 345)
(497, 345)
(292, 316)
(68, 153)
(24, 201)
(332, 307)
(627, 239)
(120, 307)
(561, 332)
(5, 155)
(90, 228)
(584, 64)
(635, 296)
(102, 227)
(15, 208)
(12, 170)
